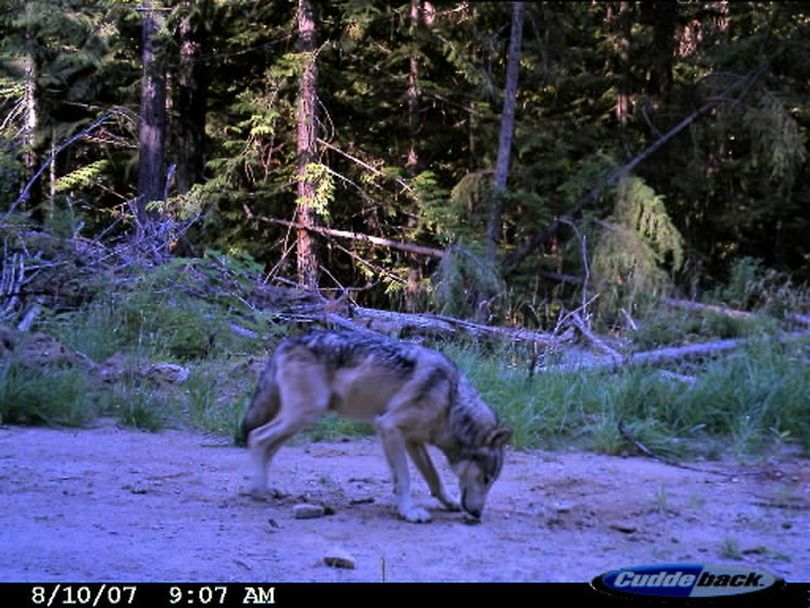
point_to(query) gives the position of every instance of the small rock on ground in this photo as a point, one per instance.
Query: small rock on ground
(339, 558)
(308, 511)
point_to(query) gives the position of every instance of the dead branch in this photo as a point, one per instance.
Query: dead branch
(356, 236)
(26, 191)
(597, 342)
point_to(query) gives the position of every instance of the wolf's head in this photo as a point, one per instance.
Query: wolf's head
(477, 470)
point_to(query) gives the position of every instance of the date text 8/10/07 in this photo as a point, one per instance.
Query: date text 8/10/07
(83, 595)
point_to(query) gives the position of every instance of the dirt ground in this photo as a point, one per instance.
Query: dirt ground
(116, 504)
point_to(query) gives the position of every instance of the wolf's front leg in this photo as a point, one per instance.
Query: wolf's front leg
(394, 447)
(421, 458)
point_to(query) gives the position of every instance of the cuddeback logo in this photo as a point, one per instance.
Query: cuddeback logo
(685, 581)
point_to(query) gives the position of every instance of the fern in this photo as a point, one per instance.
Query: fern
(633, 248)
(81, 177)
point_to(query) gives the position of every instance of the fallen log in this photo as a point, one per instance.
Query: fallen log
(795, 317)
(307, 310)
(798, 318)
(667, 355)
(398, 322)
(720, 310)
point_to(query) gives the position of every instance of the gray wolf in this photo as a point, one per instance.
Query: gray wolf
(413, 395)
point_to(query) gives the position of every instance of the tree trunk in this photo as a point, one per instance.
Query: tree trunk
(507, 129)
(623, 88)
(30, 124)
(665, 15)
(192, 94)
(152, 129)
(307, 139)
(415, 274)
(412, 93)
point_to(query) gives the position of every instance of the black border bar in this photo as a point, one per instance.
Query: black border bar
(231, 595)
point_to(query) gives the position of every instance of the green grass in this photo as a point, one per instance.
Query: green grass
(216, 397)
(749, 400)
(332, 427)
(755, 397)
(58, 397)
(746, 402)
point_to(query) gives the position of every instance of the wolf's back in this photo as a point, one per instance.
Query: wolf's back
(265, 403)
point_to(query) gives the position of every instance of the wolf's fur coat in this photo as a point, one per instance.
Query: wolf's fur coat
(414, 396)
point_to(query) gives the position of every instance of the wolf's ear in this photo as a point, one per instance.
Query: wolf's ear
(499, 437)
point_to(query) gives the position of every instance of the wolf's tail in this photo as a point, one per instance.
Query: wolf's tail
(264, 406)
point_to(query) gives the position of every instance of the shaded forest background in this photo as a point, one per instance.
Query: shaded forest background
(360, 146)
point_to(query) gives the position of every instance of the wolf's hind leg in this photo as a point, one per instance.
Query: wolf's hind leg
(263, 443)
(421, 458)
(266, 440)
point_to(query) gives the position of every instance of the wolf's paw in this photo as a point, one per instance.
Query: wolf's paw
(415, 515)
(262, 494)
(255, 493)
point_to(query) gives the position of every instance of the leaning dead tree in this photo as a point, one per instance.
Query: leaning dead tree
(734, 94)
(356, 236)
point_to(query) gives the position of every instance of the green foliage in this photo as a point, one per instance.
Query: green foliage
(752, 286)
(217, 394)
(756, 398)
(335, 428)
(319, 176)
(182, 310)
(631, 251)
(466, 284)
(57, 397)
(10, 171)
(139, 406)
(461, 216)
(81, 177)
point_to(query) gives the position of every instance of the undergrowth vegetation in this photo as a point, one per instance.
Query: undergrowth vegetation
(742, 403)
(196, 315)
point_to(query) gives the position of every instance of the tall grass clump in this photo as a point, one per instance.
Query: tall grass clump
(95, 330)
(754, 396)
(58, 397)
(138, 405)
(216, 400)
